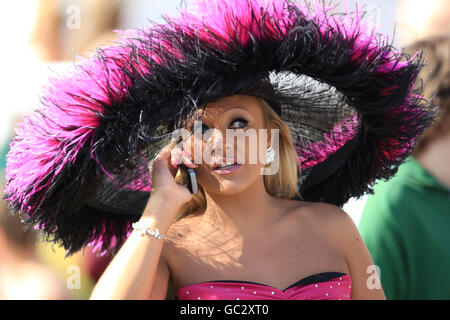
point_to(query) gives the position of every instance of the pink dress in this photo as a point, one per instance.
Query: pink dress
(321, 286)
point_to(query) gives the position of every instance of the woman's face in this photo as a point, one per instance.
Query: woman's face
(242, 116)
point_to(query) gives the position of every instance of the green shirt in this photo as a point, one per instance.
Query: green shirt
(406, 227)
(4, 148)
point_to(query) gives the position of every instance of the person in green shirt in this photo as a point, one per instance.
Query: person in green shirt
(406, 222)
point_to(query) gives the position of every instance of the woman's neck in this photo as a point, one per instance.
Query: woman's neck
(247, 212)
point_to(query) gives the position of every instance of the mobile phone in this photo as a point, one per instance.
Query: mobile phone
(187, 177)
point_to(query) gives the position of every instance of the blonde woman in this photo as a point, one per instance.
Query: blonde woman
(336, 102)
(271, 246)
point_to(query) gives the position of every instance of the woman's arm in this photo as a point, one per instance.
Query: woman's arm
(132, 272)
(134, 269)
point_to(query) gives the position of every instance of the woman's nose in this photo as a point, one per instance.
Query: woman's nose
(214, 136)
(218, 143)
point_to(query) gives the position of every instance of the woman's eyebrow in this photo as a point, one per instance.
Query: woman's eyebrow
(237, 107)
(229, 109)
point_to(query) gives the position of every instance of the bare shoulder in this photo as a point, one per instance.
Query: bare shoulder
(328, 221)
(338, 224)
(329, 217)
(320, 213)
(338, 228)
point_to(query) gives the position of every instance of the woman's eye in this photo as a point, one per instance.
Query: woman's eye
(236, 124)
(241, 123)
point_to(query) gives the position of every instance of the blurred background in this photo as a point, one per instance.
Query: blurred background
(42, 37)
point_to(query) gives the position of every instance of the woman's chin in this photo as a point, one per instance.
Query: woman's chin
(228, 184)
(227, 188)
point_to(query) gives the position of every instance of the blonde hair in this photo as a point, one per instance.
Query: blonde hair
(436, 87)
(282, 184)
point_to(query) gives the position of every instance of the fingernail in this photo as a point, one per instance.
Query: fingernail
(173, 163)
(188, 161)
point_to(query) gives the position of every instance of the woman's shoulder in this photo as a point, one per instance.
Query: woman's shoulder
(325, 227)
(319, 212)
(326, 219)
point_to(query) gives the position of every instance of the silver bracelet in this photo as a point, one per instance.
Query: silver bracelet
(145, 229)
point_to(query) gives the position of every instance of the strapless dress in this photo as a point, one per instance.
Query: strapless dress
(320, 286)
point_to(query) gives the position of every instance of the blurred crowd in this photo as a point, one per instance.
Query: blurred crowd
(405, 223)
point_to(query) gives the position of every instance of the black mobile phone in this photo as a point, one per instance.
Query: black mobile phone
(187, 177)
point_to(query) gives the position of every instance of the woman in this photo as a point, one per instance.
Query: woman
(339, 95)
(244, 233)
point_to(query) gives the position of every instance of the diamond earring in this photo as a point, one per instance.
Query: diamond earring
(270, 155)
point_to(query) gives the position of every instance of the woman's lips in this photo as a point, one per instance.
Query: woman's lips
(228, 170)
(218, 164)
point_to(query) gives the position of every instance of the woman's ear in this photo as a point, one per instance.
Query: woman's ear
(270, 127)
(268, 140)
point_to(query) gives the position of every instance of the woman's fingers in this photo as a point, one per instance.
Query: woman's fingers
(163, 175)
(171, 157)
(175, 158)
(182, 156)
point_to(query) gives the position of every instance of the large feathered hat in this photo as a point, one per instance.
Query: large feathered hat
(78, 165)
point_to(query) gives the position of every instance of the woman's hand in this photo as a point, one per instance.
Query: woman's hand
(163, 172)
(140, 270)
